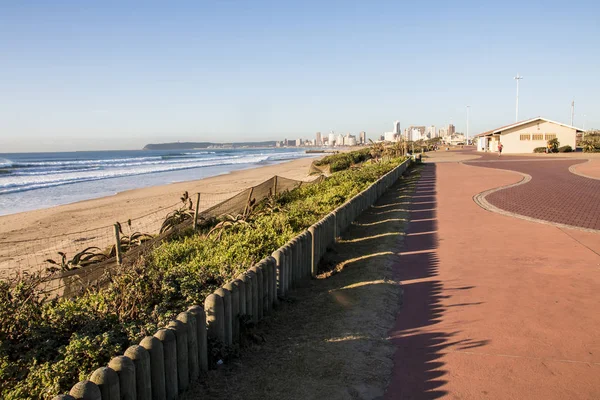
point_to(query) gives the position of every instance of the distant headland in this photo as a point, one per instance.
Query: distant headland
(206, 145)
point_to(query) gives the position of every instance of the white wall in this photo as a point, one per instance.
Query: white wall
(511, 139)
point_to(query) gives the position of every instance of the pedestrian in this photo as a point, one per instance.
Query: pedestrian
(500, 149)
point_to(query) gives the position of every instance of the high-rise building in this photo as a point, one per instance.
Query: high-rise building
(298, 142)
(363, 137)
(397, 130)
(431, 132)
(318, 142)
(331, 140)
(339, 141)
(390, 137)
(415, 132)
(451, 129)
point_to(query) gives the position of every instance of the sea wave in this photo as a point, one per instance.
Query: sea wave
(110, 161)
(12, 184)
(4, 163)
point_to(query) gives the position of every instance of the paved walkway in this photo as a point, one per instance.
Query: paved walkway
(590, 169)
(554, 193)
(494, 307)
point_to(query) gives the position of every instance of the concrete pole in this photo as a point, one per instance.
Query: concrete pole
(572, 112)
(517, 78)
(143, 374)
(181, 332)
(467, 139)
(86, 390)
(125, 369)
(108, 383)
(154, 348)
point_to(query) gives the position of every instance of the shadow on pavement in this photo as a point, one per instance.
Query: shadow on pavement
(418, 372)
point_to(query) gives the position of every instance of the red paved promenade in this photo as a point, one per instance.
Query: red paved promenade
(554, 193)
(494, 307)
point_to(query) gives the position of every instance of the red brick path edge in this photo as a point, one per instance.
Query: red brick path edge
(590, 169)
(549, 193)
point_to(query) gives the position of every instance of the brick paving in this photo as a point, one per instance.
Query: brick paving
(554, 194)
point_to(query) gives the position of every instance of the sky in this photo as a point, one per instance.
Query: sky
(83, 75)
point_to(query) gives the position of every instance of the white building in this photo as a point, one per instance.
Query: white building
(390, 136)
(525, 136)
(349, 140)
(415, 134)
(454, 139)
(431, 132)
(318, 141)
(331, 140)
(298, 142)
(339, 140)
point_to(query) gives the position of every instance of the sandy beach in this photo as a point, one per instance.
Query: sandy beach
(29, 230)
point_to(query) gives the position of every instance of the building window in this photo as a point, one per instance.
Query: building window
(538, 136)
(550, 136)
(526, 137)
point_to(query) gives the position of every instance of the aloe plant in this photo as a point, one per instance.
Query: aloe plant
(180, 215)
(84, 258)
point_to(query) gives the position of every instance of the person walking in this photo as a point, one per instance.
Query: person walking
(500, 147)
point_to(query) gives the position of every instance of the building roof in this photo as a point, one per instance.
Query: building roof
(516, 124)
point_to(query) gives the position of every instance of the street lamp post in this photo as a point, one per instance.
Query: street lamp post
(467, 139)
(517, 78)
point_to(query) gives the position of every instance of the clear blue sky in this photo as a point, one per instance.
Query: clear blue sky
(77, 75)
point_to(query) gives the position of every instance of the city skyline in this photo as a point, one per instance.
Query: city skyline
(117, 76)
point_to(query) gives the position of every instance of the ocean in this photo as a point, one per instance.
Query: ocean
(31, 181)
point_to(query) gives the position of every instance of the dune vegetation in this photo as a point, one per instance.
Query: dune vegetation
(47, 345)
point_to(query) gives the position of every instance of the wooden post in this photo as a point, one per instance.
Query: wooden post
(248, 200)
(275, 186)
(196, 212)
(118, 245)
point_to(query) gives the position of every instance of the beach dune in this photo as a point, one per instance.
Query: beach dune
(27, 232)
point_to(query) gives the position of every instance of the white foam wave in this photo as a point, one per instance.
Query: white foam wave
(111, 161)
(286, 156)
(11, 184)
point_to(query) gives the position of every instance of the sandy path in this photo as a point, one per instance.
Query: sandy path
(329, 341)
(494, 307)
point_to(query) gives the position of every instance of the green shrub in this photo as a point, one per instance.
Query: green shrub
(591, 142)
(565, 149)
(47, 346)
(539, 150)
(342, 161)
(553, 145)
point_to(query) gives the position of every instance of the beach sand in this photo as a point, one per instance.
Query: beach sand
(28, 231)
